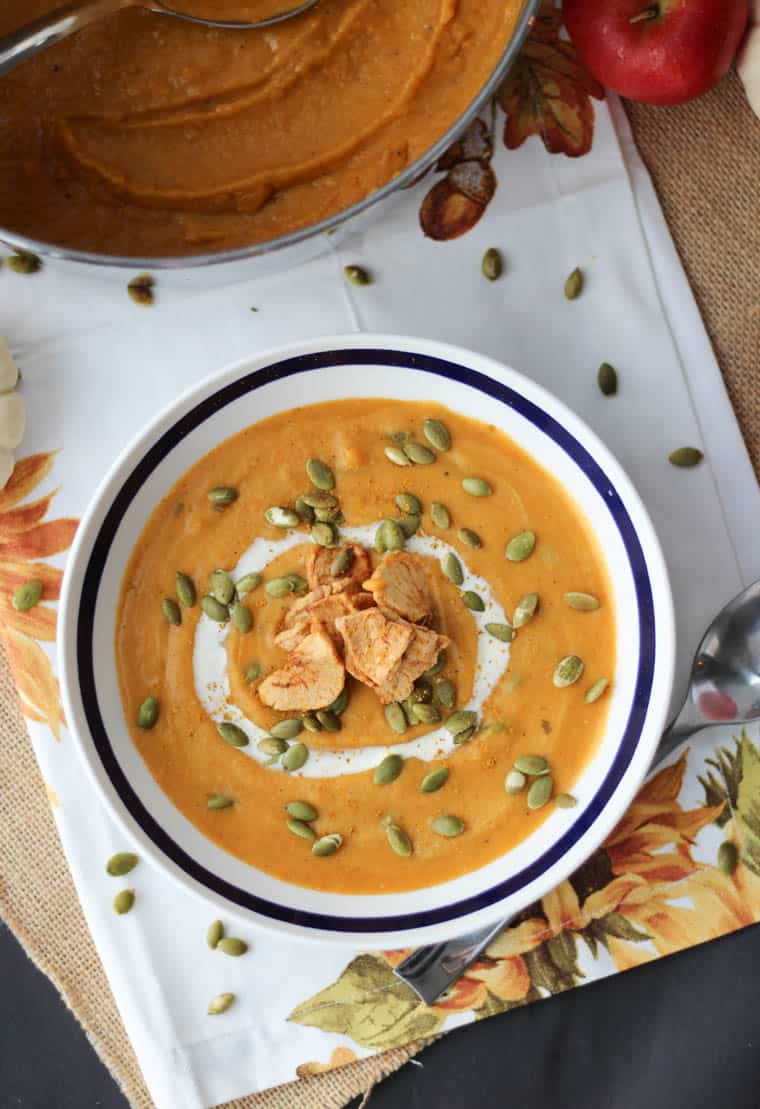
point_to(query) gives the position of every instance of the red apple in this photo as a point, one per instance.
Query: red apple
(659, 52)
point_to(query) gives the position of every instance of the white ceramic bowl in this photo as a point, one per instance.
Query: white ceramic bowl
(326, 369)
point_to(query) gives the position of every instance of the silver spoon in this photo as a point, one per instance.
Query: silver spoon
(724, 689)
(50, 29)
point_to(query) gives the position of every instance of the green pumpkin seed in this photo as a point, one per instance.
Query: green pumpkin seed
(728, 857)
(171, 612)
(393, 536)
(232, 734)
(301, 810)
(214, 609)
(492, 265)
(463, 737)
(231, 945)
(540, 791)
(388, 770)
(339, 705)
(514, 782)
(379, 541)
(248, 583)
(357, 275)
(520, 546)
(147, 714)
(304, 510)
(460, 720)
(327, 845)
(685, 457)
(123, 901)
(597, 689)
(473, 601)
(469, 537)
(219, 801)
(440, 516)
(525, 610)
(300, 828)
(425, 714)
(320, 475)
(408, 504)
(121, 864)
(24, 262)
(582, 602)
(422, 692)
(408, 524)
(278, 587)
(241, 617)
(329, 515)
(608, 379)
(329, 720)
(272, 745)
(476, 487)
(311, 723)
(221, 586)
(295, 757)
(220, 1004)
(280, 517)
(574, 285)
(565, 801)
(286, 729)
(437, 434)
(320, 498)
(394, 716)
(26, 596)
(298, 583)
(399, 840)
(342, 562)
(214, 933)
(532, 765)
(437, 666)
(445, 693)
(435, 780)
(501, 631)
(452, 568)
(185, 589)
(448, 825)
(324, 534)
(222, 496)
(567, 671)
(252, 672)
(419, 454)
(396, 455)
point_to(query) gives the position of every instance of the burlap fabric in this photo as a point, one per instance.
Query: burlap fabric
(705, 161)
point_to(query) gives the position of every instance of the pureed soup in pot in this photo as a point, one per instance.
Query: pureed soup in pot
(145, 135)
(365, 646)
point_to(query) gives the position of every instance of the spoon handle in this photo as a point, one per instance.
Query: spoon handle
(49, 29)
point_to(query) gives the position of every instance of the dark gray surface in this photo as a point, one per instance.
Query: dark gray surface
(679, 1034)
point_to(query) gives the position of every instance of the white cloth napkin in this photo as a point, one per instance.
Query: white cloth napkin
(96, 368)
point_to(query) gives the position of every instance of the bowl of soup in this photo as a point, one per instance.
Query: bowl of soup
(148, 141)
(369, 639)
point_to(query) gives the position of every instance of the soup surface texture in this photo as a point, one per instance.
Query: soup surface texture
(143, 135)
(385, 615)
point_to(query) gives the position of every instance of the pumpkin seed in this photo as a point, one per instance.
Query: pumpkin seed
(469, 537)
(340, 703)
(397, 456)
(419, 454)
(214, 933)
(448, 825)
(280, 517)
(304, 509)
(185, 589)
(171, 611)
(460, 720)
(388, 770)
(425, 714)
(301, 810)
(320, 475)
(278, 587)
(214, 609)
(525, 610)
(379, 541)
(329, 720)
(520, 546)
(140, 290)
(685, 457)
(232, 734)
(437, 666)
(24, 262)
(248, 583)
(514, 782)
(408, 524)
(437, 434)
(399, 840)
(728, 857)
(501, 631)
(582, 602)
(295, 757)
(357, 275)
(147, 714)
(219, 801)
(286, 729)
(327, 845)
(220, 1004)
(311, 723)
(435, 780)
(271, 745)
(567, 671)
(439, 514)
(540, 791)
(342, 562)
(463, 737)
(221, 586)
(300, 828)
(241, 617)
(476, 487)
(394, 716)
(608, 379)
(597, 689)
(298, 583)
(445, 693)
(452, 568)
(422, 692)
(532, 765)
(324, 534)
(26, 596)
(320, 498)
(473, 601)
(123, 901)
(574, 284)
(408, 504)
(121, 864)
(393, 537)
(492, 265)
(329, 515)
(565, 801)
(222, 496)
(231, 945)
(252, 672)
